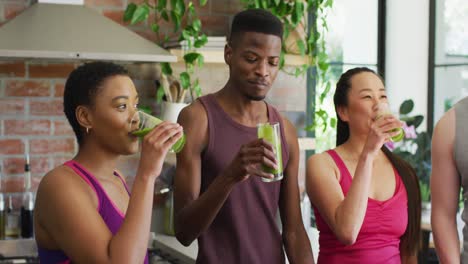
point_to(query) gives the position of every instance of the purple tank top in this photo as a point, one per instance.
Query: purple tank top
(111, 215)
(245, 229)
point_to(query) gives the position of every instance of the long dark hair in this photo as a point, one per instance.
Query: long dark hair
(410, 239)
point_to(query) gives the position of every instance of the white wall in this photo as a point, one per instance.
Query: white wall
(360, 31)
(407, 53)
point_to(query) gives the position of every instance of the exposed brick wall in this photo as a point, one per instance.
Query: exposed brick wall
(31, 111)
(32, 120)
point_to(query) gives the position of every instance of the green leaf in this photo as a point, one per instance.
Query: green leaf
(176, 20)
(178, 6)
(129, 11)
(301, 46)
(161, 4)
(282, 9)
(141, 14)
(185, 80)
(324, 94)
(257, 3)
(201, 61)
(155, 28)
(191, 57)
(201, 41)
(160, 94)
(196, 24)
(166, 68)
(185, 34)
(281, 60)
(333, 122)
(294, 19)
(197, 88)
(277, 2)
(415, 121)
(203, 2)
(406, 107)
(298, 13)
(145, 109)
(164, 15)
(297, 72)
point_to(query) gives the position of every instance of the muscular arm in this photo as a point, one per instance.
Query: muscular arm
(66, 210)
(445, 188)
(190, 206)
(295, 238)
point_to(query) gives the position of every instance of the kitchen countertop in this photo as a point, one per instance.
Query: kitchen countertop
(171, 246)
(18, 247)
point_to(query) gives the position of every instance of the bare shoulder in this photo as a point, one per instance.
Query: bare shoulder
(194, 121)
(445, 128)
(290, 131)
(59, 185)
(321, 164)
(193, 113)
(323, 159)
(289, 128)
(60, 176)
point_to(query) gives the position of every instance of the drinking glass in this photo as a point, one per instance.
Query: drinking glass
(271, 132)
(383, 109)
(142, 123)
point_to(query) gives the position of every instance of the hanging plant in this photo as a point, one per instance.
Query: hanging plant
(308, 42)
(188, 26)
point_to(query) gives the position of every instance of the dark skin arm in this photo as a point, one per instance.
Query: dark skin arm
(295, 238)
(200, 210)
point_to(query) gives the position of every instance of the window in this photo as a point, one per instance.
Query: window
(352, 41)
(448, 63)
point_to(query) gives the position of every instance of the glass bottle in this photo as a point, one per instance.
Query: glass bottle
(27, 209)
(12, 227)
(2, 217)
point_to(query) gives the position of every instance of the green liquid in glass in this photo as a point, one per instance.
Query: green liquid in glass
(177, 147)
(267, 132)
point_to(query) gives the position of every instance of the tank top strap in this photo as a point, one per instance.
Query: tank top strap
(86, 176)
(345, 176)
(123, 181)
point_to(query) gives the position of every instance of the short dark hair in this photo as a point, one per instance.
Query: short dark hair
(82, 86)
(255, 20)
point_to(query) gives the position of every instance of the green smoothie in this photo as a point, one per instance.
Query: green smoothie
(148, 125)
(271, 133)
(401, 133)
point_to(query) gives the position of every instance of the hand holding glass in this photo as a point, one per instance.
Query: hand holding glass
(142, 123)
(383, 109)
(271, 132)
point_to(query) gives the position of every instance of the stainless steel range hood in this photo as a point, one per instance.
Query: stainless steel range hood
(65, 31)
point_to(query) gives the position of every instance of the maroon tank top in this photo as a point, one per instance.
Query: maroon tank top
(245, 229)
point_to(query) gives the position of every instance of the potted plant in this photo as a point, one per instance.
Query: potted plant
(415, 148)
(188, 27)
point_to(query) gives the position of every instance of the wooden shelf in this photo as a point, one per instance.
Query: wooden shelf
(217, 56)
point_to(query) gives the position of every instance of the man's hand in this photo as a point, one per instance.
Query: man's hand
(248, 160)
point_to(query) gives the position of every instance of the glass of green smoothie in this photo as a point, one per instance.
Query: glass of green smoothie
(142, 123)
(271, 132)
(383, 109)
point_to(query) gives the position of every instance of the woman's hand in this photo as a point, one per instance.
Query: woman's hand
(155, 146)
(380, 132)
